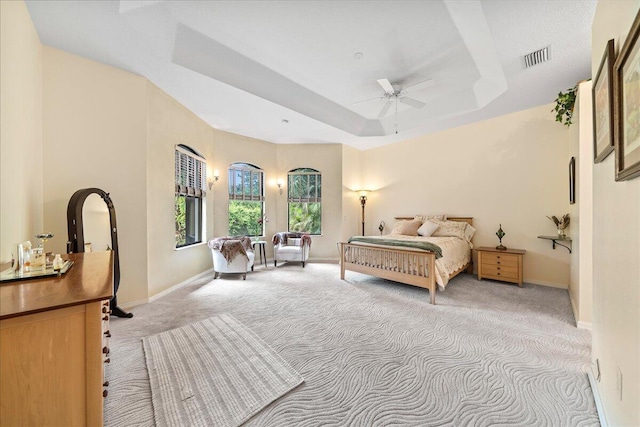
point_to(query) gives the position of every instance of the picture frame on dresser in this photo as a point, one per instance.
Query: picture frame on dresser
(602, 101)
(626, 84)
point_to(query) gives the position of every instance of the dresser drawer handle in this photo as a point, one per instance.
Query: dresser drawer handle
(498, 262)
(105, 318)
(105, 384)
(107, 334)
(498, 268)
(107, 360)
(105, 309)
(105, 350)
(105, 393)
(498, 273)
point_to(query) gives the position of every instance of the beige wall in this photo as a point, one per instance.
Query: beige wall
(510, 170)
(20, 129)
(582, 211)
(616, 252)
(351, 181)
(169, 123)
(94, 135)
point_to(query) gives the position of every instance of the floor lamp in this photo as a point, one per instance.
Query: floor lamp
(363, 202)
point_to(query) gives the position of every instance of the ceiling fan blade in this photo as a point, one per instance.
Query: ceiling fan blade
(386, 86)
(377, 98)
(419, 86)
(384, 110)
(413, 102)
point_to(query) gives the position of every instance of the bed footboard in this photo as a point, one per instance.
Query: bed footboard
(401, 265)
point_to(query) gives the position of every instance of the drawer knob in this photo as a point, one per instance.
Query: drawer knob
(105, 393)
(107, 360)
(498, 273)
(498, 262)
(107, 334)
(105, 384)
(105, 350)
(498, 268)
(498, 256)
(105, 318)
(104, 309)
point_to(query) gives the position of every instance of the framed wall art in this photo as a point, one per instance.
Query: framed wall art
(627, 106)
(602, 100)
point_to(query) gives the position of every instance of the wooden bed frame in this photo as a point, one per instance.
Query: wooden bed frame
(401, 265)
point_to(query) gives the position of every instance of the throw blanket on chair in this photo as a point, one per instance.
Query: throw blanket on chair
(278, 238)
(231, 246)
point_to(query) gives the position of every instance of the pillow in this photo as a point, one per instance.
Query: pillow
(398, 225)
(427, 228)
(450, 229)
(423, 218)
(469, 231)
(409, 228)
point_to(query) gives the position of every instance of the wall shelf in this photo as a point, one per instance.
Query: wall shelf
(556, 241)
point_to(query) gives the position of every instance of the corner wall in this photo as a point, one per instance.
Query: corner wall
(21, 202)
(616, 252)
(510, 170)
(94, 135)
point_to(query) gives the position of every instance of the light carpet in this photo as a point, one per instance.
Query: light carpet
(216, 372)
(374, 353)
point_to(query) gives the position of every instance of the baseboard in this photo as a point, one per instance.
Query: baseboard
(128, 305)
(549, 284)
(324, 260)
(584, 325)
(596, 398)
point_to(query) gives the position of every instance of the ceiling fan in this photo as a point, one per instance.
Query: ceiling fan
(392, 95)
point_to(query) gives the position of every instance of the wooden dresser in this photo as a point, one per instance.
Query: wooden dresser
(54, 343)
(505, 265)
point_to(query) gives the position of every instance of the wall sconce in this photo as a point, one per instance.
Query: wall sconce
(216, 177)
(279, 183)
(363, 201)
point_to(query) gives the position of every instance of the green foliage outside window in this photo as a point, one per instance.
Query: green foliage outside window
(245, 218)
(305, 217)
(181, 221)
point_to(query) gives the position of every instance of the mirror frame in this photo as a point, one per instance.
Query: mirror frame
(75, 229)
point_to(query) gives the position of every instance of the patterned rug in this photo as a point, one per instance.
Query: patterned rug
(376, 353)
(216, 372)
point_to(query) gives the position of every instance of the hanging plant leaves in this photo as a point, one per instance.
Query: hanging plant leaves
(564, 106)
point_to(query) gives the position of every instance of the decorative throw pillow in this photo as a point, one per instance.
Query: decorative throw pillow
(398, 225)
(469, 231)
(410, 228)
(450, 229)
(427, 228)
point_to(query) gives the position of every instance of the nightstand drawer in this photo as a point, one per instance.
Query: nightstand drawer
(500, 259)
(506, 272)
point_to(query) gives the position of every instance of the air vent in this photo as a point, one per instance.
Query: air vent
(537, 57)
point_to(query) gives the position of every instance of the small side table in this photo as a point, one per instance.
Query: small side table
(262, 245)
(500, 265)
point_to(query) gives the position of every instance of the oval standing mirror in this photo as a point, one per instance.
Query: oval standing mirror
(91, 225)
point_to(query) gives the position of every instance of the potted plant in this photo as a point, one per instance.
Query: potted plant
(564, 106)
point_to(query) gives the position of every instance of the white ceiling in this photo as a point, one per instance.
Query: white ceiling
(244, 66)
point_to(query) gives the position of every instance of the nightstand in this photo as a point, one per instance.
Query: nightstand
(500, 265)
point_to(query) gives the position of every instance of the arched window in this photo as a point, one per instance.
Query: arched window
(304, 195)
(246, 200)
(191, 178)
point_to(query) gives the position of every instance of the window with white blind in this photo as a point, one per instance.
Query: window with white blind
(191, 179)
(304, 196)
(246, 200)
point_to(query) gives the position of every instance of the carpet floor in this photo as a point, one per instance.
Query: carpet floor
(376, 353)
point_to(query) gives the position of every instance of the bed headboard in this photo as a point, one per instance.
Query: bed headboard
(467, 219)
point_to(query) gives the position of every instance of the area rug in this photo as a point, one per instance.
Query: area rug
(215, 372)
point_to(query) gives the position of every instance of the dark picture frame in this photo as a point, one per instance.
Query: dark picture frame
(572, 181)
(602, 101)
(627, 105)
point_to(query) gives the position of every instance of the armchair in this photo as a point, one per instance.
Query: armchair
(291, 247)
(232, 255)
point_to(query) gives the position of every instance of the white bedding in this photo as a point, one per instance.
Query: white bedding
(456, 253)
